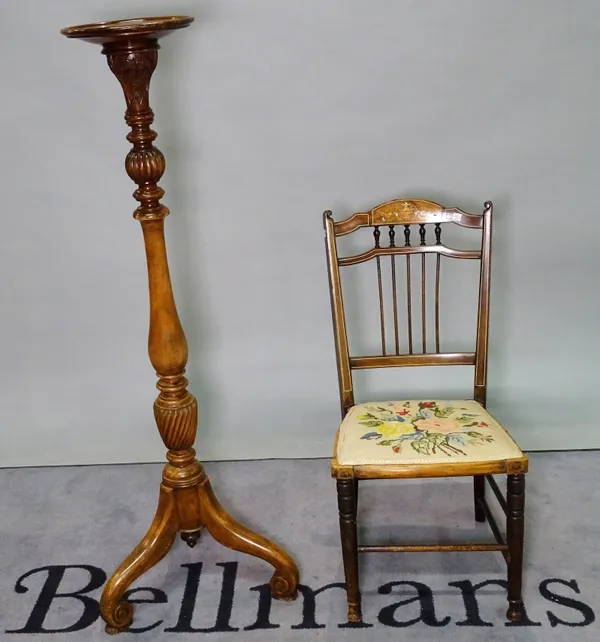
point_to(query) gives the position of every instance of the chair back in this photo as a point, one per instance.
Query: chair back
(420, 216)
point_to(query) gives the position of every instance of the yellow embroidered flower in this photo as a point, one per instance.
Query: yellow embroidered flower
(393, 428)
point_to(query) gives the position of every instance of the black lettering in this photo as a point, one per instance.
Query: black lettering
(188, 602)
(469, 590)
(424, 597)
(263, 615)
(226, 601)
(309, 605)
(569, 602)
(190, 594)
(49, 593)
(158, 597)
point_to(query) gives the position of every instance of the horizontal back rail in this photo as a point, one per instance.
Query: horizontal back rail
(428, 359)
(411, 249)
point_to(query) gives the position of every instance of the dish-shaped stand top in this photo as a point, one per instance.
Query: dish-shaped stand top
(129, 29)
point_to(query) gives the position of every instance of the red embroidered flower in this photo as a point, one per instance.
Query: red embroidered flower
(483, 424)
(396, 449)
(427, 404)
(402, 413)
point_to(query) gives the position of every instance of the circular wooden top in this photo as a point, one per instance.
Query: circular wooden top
(103, 32)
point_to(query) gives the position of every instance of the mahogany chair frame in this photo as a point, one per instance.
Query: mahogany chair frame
(406, 213)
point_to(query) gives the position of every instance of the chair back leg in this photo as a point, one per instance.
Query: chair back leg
(479, 497)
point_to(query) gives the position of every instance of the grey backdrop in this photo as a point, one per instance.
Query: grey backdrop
(269, 112)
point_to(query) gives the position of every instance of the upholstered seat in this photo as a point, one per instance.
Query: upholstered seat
(422, 432)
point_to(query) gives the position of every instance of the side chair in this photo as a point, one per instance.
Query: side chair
(423, 438)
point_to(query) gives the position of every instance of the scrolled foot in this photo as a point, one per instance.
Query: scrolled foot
(282, 588)
(515, 611)
(117, 613)
(354, 613)
(229, 533)
(191, 537)
(120, 619)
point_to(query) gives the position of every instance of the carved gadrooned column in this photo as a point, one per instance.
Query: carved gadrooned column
(186, 503)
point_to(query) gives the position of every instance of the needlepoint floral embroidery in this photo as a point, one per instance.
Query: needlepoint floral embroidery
(431, 430)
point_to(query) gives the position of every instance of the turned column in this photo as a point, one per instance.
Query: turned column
(186, 501)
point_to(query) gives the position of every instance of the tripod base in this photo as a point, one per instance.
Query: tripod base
(187, 510)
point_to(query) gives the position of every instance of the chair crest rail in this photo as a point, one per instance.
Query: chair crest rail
(408, 212)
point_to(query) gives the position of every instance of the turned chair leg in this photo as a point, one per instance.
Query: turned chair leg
(515, 528)
(479, 497)
(347, 511)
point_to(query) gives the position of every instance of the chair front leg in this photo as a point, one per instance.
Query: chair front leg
(348, 531)
(515, 529)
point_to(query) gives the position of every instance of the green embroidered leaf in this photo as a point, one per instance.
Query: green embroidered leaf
(385, 442)
(367, 415)
(372, 423)
(442, 412)
(437, 438)
(476, 438)
(448, 449)
(422, 446)
(465, 420)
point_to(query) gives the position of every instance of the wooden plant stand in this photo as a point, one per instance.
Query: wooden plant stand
(186, 502)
